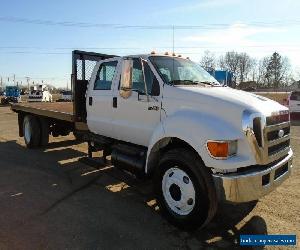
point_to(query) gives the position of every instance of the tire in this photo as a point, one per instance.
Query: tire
(78, 137)
(31, 131)
(44, 125)
(185, 189)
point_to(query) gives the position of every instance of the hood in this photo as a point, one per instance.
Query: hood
(237, 97)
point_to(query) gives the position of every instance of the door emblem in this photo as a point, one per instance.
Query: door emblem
(156, 108)
(280, 133)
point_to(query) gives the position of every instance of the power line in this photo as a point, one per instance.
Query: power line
(275, 47)
(286, 22)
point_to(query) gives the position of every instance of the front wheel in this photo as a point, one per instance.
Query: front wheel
(185, 190)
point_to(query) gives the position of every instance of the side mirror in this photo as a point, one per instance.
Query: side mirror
(126, 78)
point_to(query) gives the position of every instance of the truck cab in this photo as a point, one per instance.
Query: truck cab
(11, 94)
(241, 140)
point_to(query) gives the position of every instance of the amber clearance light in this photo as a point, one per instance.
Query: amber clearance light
(222, 149)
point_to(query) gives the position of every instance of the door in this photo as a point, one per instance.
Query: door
(137, 103)
(99, 97)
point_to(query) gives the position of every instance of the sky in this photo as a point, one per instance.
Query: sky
(37, 37)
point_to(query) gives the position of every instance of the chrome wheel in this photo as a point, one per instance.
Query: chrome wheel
(178, 191)
(27, 130)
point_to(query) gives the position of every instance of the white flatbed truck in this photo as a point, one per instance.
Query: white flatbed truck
(164, 117)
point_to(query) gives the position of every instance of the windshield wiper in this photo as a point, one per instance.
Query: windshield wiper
(183, 82)
(191, 82)
(208, 83)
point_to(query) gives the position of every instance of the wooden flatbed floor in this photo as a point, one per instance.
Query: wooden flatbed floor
(57, 110)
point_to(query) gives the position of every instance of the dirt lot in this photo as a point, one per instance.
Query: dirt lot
(49, 199)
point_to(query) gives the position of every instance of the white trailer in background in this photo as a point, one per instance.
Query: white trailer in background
(39, 93)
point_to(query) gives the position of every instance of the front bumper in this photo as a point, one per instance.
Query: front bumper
(252, 184)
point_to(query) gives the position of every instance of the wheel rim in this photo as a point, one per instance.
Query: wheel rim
(27, 131)
(178, 191)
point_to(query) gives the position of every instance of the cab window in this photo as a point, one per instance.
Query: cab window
(138, 80)
(105, 75)
(137, 76)
(151, 81)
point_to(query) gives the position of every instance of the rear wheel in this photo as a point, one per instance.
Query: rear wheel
(44, 125)
(31, 131)
(185, 190)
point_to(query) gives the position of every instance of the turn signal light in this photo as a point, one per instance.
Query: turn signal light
(222, 149)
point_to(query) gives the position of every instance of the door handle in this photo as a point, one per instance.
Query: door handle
(115, 102)
(90, 101)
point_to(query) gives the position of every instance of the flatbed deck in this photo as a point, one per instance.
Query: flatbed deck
(57, 110)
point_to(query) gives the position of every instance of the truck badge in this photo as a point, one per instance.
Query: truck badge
(280, 133)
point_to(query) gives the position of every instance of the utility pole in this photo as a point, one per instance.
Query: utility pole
(27, 79)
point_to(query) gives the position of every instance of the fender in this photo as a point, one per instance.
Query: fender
(196, 129)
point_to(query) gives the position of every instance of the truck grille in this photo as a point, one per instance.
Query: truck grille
(277, 148)
(276, 136)
(277, 119)
(271, 137)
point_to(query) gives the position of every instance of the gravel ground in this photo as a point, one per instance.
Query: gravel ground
(51, 200)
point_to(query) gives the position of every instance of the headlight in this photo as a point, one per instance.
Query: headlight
(222, 149)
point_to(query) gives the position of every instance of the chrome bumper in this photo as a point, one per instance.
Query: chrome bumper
(244, 187)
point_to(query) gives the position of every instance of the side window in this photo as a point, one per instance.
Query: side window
(105, 75)
(133, 79)
(137, 76)
(151, 81)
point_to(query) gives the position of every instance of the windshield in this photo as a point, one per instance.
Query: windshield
(179, 71)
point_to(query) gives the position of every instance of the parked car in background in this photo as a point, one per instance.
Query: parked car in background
(66, 96)
(11, 94)
(39, 93)
(294, 105)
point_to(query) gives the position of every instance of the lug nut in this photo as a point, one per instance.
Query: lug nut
(190, 201)
(186, 179)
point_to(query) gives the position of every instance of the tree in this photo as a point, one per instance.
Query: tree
(262, 72)
(278, 71)
(208, 61)
(297, 74)
(253, 73)
(230, 61)
(240, 64)
(244, 66)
